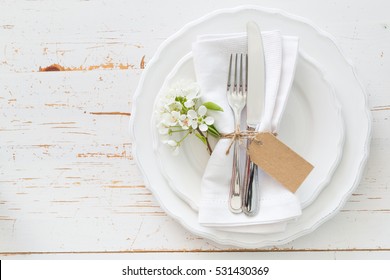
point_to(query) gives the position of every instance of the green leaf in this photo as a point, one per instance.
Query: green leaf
(213, 131)
(212, 106)
(202, 138)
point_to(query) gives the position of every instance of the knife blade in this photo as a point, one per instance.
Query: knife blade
(255, 109)
(256, 76)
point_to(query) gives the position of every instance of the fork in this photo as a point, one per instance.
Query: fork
(236, 96)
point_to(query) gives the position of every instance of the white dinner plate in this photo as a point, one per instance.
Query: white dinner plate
(338, 70)
(312, 126)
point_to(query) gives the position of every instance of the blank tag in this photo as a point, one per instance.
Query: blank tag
(279, 161)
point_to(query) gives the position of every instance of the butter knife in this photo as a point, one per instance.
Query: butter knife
(255, 109)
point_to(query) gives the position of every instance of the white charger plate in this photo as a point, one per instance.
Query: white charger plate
(312, 126)
(339, 71)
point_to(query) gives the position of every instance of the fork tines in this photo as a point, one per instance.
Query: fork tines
(239, 64)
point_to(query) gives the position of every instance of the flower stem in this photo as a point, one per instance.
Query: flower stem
(180, 130)
(207, 141)
(181, 140)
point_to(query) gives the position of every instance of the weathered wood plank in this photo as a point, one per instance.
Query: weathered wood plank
(68, 180)
(141, 233)
(287, 255)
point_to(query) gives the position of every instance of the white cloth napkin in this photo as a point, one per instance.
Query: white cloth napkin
(211, 58)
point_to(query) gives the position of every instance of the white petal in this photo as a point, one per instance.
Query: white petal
(193, 91)
(189, 103)
(203, 127)
(163, 130)
(209, 120)
(172, 143)
(192, 114)
(175, 106)
(166, 116)
(171, 101)
(194, 124)
(167, 120)
(176, 114)
(193, 95)
(202, 110)
(184, 122)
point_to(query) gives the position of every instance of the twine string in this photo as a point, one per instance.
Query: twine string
(238, 135)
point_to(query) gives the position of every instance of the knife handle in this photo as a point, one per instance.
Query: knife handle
(250, 204)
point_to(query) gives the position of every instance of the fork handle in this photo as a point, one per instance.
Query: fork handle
(235, 199)
(250, 204)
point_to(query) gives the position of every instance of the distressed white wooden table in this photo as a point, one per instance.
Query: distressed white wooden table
(69, 186)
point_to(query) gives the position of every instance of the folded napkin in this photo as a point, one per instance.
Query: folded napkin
(211, 60)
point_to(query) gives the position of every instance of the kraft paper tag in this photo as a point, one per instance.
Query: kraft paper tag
(279, 161)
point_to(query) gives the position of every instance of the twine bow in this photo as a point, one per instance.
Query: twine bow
(238, 135)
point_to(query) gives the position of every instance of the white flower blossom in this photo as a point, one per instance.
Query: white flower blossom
(203, 120)
(179, 115)
(193, 118)
(163, 129)
(170, 118)
(184, 122)
(174, 145)
(186, 88)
